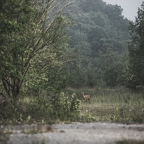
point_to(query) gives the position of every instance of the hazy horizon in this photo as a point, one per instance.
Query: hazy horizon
(130, 7)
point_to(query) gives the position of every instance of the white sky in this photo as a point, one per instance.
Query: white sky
(130, 7)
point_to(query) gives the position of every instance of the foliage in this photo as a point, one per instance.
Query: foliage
(98, 45)
(114, 105)
(41, 110)
(60, 107)
(32, 41)
(36, 64)
(136, 50)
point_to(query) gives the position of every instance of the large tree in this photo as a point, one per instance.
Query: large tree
(136, 49)
(32, 37)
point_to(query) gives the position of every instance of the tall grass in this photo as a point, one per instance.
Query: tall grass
(115, 105)
(109, 105)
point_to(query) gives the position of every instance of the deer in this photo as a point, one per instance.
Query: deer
(85, 97)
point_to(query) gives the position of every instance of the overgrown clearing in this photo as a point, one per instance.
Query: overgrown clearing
(107, 105)
(115, 105)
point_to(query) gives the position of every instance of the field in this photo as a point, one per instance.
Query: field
(106, 105)
(114, 105)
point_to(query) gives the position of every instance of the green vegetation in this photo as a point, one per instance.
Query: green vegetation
(136, 50)
(32, 47)
(33, 42)
(98, 45)
(39, 64)
(113, 105)
(40, 110)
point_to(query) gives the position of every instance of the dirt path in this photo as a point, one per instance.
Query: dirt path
(78, 133)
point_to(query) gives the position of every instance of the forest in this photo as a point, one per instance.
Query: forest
(98, 45)
(52, 51)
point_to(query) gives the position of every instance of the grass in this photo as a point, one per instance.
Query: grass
(107, 105)
(114, 105)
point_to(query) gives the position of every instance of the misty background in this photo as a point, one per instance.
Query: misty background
(130, 7)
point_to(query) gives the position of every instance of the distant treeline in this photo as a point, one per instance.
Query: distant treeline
(98, 45)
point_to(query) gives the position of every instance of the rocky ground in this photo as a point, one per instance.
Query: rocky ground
(74, 133)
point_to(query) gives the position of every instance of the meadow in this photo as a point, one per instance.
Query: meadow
(114, 105)
(118, 105)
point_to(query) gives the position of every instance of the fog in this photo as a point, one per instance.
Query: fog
(130, 7)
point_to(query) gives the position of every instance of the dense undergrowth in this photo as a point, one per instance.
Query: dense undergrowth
(40, 110)
(111, 105)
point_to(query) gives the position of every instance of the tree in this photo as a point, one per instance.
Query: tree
(98, 45)
(136, 49)
(32, 38)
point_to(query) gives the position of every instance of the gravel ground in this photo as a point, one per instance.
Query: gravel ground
(76, 133)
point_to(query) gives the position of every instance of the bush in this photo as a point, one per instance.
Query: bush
(41, 110)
